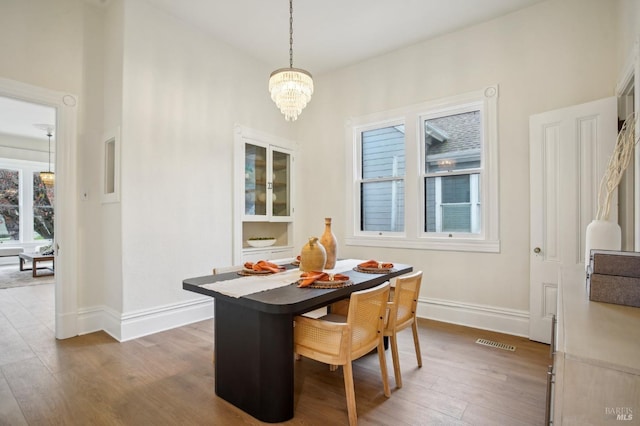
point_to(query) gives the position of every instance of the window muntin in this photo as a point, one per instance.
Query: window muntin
(382, 165)
(452, 172)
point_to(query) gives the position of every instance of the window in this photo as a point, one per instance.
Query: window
(26, 204)
(382, 179)
(452, 172)
(9, 205)
(43, 212)
(448, 198)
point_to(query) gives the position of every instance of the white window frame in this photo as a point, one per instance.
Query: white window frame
(414, 236)
(358, 180)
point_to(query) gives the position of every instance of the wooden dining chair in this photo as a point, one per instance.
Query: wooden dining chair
(402, 314)
(337, 340)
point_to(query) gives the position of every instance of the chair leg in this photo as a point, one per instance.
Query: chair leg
(416, 342)
(383, 368)
(347, 370)
(396, 360)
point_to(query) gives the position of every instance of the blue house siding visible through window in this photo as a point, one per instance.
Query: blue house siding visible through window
(382, 186)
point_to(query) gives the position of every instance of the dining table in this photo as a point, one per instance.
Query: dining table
(253, 330)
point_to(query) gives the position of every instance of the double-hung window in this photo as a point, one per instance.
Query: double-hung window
(452, 171)
(381, 179)
(426, 176)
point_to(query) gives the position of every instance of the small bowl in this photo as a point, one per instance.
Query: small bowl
(261, 243)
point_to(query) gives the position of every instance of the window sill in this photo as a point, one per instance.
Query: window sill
(444, 244)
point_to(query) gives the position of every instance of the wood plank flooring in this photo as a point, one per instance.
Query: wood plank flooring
(168, 378)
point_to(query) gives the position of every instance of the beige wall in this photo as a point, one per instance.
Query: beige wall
(628, 29)
(544, 57)
(41, 43)
(183, 93)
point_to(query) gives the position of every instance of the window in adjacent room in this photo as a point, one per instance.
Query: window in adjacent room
(43, 211)
(26, 203)
(9, 205)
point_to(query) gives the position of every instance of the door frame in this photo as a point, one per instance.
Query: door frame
(66, 202)
(630, 77)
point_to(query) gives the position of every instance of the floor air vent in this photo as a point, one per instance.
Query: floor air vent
(496, 345)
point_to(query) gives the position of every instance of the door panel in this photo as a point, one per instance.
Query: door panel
(569, 152)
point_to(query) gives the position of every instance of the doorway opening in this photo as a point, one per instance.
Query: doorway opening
(65, 204)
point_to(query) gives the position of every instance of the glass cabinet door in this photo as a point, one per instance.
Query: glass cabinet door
(280, 184)
(255, 180)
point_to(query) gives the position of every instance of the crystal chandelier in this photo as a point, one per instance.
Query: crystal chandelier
(291, 88)
(48, 178)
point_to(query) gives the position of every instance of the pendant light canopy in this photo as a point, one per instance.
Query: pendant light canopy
(291, 88)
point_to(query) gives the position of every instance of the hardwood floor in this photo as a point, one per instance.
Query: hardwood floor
(168, 378)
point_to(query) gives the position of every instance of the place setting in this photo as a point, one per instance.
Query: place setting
(374, 267)
(261, 267)
(320, 279)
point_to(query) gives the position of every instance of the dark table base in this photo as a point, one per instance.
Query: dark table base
(254, 360)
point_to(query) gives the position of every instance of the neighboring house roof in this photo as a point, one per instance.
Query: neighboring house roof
(462, 133)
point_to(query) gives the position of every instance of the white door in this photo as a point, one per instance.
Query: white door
(569, 152)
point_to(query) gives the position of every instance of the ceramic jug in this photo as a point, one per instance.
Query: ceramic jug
(330, 244)
(313, 256)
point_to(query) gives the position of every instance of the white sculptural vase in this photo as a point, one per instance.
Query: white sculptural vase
(602, 235)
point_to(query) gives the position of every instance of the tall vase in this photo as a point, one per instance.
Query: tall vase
(330, 244)
(601, 235)
(312, 256)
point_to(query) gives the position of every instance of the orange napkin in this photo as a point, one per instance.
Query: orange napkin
(263, 265)
(310, 277)
(375, 264)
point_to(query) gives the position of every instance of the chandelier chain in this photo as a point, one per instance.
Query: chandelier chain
(290, 33)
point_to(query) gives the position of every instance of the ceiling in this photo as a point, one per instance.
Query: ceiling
(19, 118)
(327, 34)
(330, 34)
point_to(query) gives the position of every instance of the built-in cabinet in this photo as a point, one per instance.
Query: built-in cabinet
(595, 378)
(264, 205)
(267, 182)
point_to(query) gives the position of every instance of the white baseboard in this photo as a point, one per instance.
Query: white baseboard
(123, 327)
(508, 321)
(92, 319)
(66, 325)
